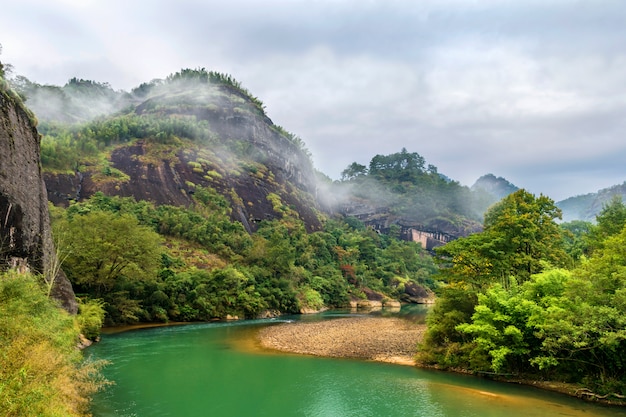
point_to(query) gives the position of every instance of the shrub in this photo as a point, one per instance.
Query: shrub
(91, 317)
(42, 373)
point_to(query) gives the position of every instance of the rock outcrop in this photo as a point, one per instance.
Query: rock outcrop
(25, 235)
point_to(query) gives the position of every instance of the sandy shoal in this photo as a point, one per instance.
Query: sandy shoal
(380, 339)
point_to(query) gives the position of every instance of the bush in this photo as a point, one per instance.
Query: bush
(91, 317)
(42, 373)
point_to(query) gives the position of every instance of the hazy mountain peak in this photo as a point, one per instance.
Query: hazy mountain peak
(497, 187)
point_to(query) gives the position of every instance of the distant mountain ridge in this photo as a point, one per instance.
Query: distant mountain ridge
(586, 207)
(496, 187)
(582, 207)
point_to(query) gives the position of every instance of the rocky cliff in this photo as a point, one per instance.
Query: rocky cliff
(25, 235)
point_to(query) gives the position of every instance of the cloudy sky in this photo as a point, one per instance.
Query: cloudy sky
(530, 90)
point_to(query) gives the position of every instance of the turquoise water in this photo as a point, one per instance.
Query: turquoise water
(216, 370)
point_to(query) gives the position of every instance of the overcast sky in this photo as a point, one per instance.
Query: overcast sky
(530, 90)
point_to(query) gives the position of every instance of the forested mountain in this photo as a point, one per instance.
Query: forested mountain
(401, 189)
(586, 207)
(194, 129)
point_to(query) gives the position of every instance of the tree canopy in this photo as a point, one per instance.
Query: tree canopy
(550, 318)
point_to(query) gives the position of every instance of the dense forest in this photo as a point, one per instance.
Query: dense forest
(163, 263)
(531, 299)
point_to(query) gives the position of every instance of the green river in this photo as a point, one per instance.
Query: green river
(217, 370)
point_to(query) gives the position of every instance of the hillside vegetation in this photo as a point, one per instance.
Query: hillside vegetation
(401, 189)
(42, 373)
(528, 299)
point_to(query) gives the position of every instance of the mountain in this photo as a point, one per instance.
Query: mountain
(582, 207)
(401, 190)
(586, 207)
(202, 129)
(246, 226)
(25, 234)
(194, 129)
(495, 188)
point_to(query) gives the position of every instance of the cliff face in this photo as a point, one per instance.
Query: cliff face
(25, 234)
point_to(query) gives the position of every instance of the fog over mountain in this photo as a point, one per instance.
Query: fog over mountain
(530, 91)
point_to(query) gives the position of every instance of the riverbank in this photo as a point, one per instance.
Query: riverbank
(391, 340)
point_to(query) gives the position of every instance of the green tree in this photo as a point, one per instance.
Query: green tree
(526, 234)
(585, 333)
(106, 249)
(520, 238)
(609, 222)
(354, 170)
(576, 238)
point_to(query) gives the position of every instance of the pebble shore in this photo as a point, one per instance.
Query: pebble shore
(391, 340)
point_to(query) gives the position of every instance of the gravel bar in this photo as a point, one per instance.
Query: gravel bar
(379, 339)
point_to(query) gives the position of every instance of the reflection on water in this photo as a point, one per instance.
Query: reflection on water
(217, 369)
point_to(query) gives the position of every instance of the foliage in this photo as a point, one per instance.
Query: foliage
(526, 234)
(576, 238)
(280, 267)
(585, 333)
(2, 69)
(520, 236)
(63, 147)
(128, 253)
(41, 371)
(609, 222)
(202, 76)
(90, 317)
(443, 344)
(543, 323)
(108, 248)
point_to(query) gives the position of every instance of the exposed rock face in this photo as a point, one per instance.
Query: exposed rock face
(25, 235)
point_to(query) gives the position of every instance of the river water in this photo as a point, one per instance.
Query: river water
(217, 370)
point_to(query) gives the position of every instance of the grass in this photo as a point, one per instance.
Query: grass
(42, 373)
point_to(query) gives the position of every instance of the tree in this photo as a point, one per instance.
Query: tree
(519, 239)
(354, 170)
(527, 234)
(400, 166)
(471, 262)
(612, 219)
(106, 248)
(609, 222)
(576, 238)
(584, 332)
